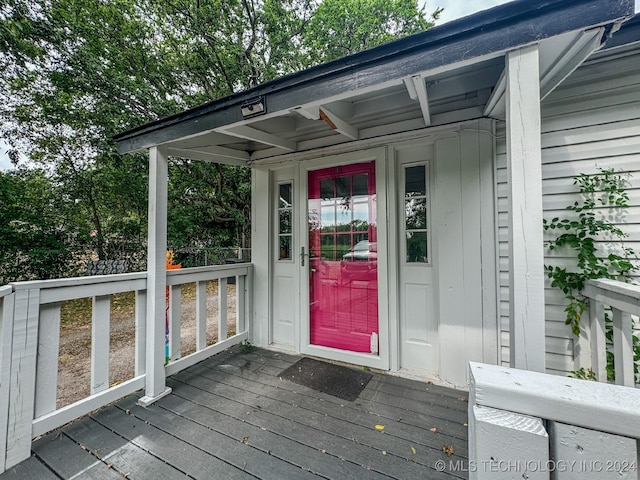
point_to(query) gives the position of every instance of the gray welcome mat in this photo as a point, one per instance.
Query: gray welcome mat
(342, 382)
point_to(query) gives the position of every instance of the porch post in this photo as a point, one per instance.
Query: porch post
(526, 253)
(156, 277)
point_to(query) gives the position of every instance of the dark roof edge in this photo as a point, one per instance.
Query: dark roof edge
(487, 20)
(629, 33)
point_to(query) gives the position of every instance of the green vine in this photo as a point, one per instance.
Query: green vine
(605, 190)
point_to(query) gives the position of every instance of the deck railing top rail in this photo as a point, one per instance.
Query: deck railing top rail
(608, 329)
(621, 295)
(526, 424)
(30, 326)
(60, 290)
(598, 406)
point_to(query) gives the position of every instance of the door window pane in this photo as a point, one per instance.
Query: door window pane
(417, 247)
(285, 221)
(285, 195)
(327, 247)
(415, 181)
(327, 188)
(416, 214)
(285, 247)
(361, 185)
(343, 188)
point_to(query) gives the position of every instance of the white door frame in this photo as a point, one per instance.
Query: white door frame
(380, 361)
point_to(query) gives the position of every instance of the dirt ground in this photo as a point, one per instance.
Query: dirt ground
(74, 366)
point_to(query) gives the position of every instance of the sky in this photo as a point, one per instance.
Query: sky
(5, 164)
(460, 8)
(452, 9)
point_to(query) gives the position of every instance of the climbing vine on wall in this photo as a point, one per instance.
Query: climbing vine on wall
(603, 196)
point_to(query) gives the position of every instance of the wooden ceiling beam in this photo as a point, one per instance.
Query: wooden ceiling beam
(250, 133)
(216, 154)
(339, 124)
(417, 89)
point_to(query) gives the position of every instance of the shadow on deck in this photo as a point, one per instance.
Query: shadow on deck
(232, 417)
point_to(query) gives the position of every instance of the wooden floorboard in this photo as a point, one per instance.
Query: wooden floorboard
(233, 417)
(31, 468)
(54, 451)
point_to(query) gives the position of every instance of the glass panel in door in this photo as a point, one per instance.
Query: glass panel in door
(343, 272)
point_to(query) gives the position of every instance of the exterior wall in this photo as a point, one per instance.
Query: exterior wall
(463, 238)
(464, 233)
(260, 230)
(592, 121)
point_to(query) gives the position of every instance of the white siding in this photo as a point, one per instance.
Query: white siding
(592, 121)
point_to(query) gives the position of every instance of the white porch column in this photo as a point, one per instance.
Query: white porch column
(156, 277)
(526, 254)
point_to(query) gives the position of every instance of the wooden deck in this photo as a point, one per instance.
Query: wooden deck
(231, 417)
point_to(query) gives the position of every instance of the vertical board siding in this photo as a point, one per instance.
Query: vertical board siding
(591, 122)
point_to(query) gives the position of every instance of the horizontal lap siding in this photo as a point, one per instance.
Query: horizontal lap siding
(591, 122)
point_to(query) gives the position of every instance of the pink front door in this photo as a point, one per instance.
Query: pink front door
(343, 272)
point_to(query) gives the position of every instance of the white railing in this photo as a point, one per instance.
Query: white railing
(200, 276)
(537, 426)
(620, 301)
(30, 339)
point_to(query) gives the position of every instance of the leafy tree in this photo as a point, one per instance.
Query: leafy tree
(342, 27)
(76, 72)
(38, 240)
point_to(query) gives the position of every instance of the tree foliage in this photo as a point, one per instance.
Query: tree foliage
(38, 234)
(343, 27)
(77, 72)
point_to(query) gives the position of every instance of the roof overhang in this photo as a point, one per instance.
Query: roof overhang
(450, 73)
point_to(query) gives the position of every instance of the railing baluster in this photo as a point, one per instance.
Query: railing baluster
(222, 309)
(201, 315)
(100, 339)
(141, 332)
(48, 353)
(582, 345)
(241, 309)
(598, 340)
(623, 347)
(30, 340)
(175, 319)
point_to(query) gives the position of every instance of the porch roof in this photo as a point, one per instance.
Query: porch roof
(450, 73)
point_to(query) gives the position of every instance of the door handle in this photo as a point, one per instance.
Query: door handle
(302, 255)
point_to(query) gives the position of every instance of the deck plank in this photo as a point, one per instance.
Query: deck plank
(352, 419)
(53, 451)
(234, 450)
(276, 444)
(30, 469)
(179, 454)
(388, 405)
(333, 452)
(122, 455)
(231, 416)
(364, 446)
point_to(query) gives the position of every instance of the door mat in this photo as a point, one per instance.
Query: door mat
(342, 382)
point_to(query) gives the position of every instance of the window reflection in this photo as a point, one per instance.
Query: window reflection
(285, 221)
(346, 213)
(416, 214)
